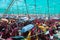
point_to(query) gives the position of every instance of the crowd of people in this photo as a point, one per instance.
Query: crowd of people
(43, 29)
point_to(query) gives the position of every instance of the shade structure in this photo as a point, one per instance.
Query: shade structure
(29, 6)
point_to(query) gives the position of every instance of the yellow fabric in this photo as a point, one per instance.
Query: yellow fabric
(36, 36)
(28, 37)
(42, 28)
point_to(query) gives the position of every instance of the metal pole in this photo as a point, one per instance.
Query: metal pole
(35, 6)
(17, 8)
(9, 6)
(54, 9)
(26, 6)
(48, 9)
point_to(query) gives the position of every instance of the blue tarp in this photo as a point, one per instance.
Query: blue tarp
(27, 28)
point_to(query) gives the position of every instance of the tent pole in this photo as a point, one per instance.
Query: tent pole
(26, 6)
(48, 9)
(17, 8)
(9, 6)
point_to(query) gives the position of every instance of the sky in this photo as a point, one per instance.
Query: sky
(19, 7)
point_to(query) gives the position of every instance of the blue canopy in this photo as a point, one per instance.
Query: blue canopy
(29, 6)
